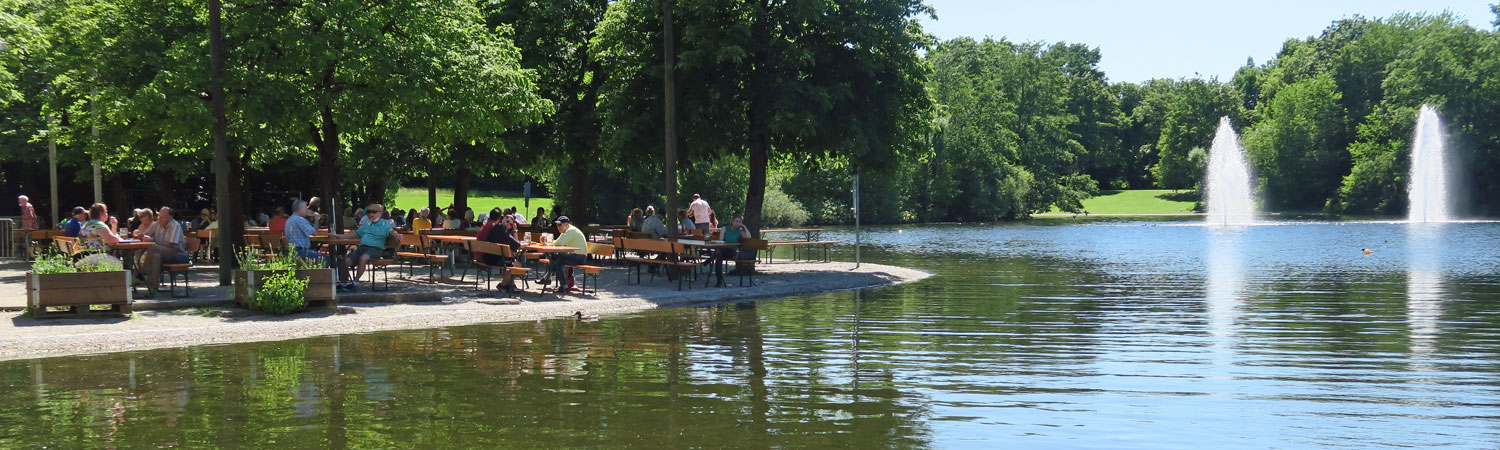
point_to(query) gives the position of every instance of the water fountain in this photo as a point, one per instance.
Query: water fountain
(1428, 193)
(1228, 187)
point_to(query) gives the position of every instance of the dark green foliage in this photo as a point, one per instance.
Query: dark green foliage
(281, 293)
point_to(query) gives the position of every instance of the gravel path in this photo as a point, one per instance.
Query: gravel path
(22, 337)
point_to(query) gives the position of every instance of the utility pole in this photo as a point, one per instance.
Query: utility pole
(856, 220)
(52, 171)
(220, 137)
(669, 60)
(94, 129)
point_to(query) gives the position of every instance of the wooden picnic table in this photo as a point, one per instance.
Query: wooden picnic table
(337, 242)
(718, 257)
(128, 249)
(811, 232)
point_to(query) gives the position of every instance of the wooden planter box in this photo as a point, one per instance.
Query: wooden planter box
(78, 291)
(319, 293)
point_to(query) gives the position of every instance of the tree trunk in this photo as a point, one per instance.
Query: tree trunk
(232, 222)
(755, 192)
(326, 136)
(461, 190)
(431, 193)
(578, 193)
(222, 194)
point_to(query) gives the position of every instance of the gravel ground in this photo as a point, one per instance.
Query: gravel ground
(22, 337)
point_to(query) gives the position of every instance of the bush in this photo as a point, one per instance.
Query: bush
(281, 293)
(779, 210)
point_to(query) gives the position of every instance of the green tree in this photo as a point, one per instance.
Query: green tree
(1191, 117)
(1296, 147)
(770, 80)
(557, 39)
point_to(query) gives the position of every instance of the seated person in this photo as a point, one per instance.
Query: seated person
(685, 224)
(635, 220)
(166, 233)
(539, 222)
(570, 236)
(732, 235)
(299, 232)
(74, 225)
(372, 236)
(653, 223)
(96, 236)
(421, 222)
(278, 223)
(502, 230)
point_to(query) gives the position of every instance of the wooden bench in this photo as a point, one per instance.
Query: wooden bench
(661, 248)
(423, 246)
(481, 248)
(796, 245)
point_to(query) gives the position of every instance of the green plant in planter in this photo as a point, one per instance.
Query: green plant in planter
(250, 259)
(281, 293)
(53, 261)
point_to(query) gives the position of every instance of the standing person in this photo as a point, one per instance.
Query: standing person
(169, 247)
(278, 223)
(701, 214)
(653, 223)
(28, 213)
(372, 236)
(74, 224)
(299, 232)
(569, 236)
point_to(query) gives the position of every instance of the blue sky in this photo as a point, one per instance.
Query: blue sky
(1145, 39)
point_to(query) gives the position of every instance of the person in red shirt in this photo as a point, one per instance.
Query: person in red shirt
(278, 223)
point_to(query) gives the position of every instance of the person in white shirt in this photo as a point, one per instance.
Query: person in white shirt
(699, 211)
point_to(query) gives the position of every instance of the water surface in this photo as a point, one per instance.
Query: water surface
(1105, 335)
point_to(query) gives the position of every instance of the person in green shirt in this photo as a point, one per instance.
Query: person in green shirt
(569, 236)
(372, 236)
(732, 235)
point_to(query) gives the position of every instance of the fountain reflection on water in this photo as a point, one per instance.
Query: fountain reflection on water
(1228, 193)
(1424, 292)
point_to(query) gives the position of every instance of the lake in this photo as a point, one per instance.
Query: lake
(1107, 335)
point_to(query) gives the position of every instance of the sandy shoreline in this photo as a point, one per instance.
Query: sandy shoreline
(22, 337)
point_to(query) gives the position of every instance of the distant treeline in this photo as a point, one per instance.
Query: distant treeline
(779, 106)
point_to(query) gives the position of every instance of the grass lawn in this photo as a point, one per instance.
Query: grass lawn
(1142, 201)
(479, 199)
